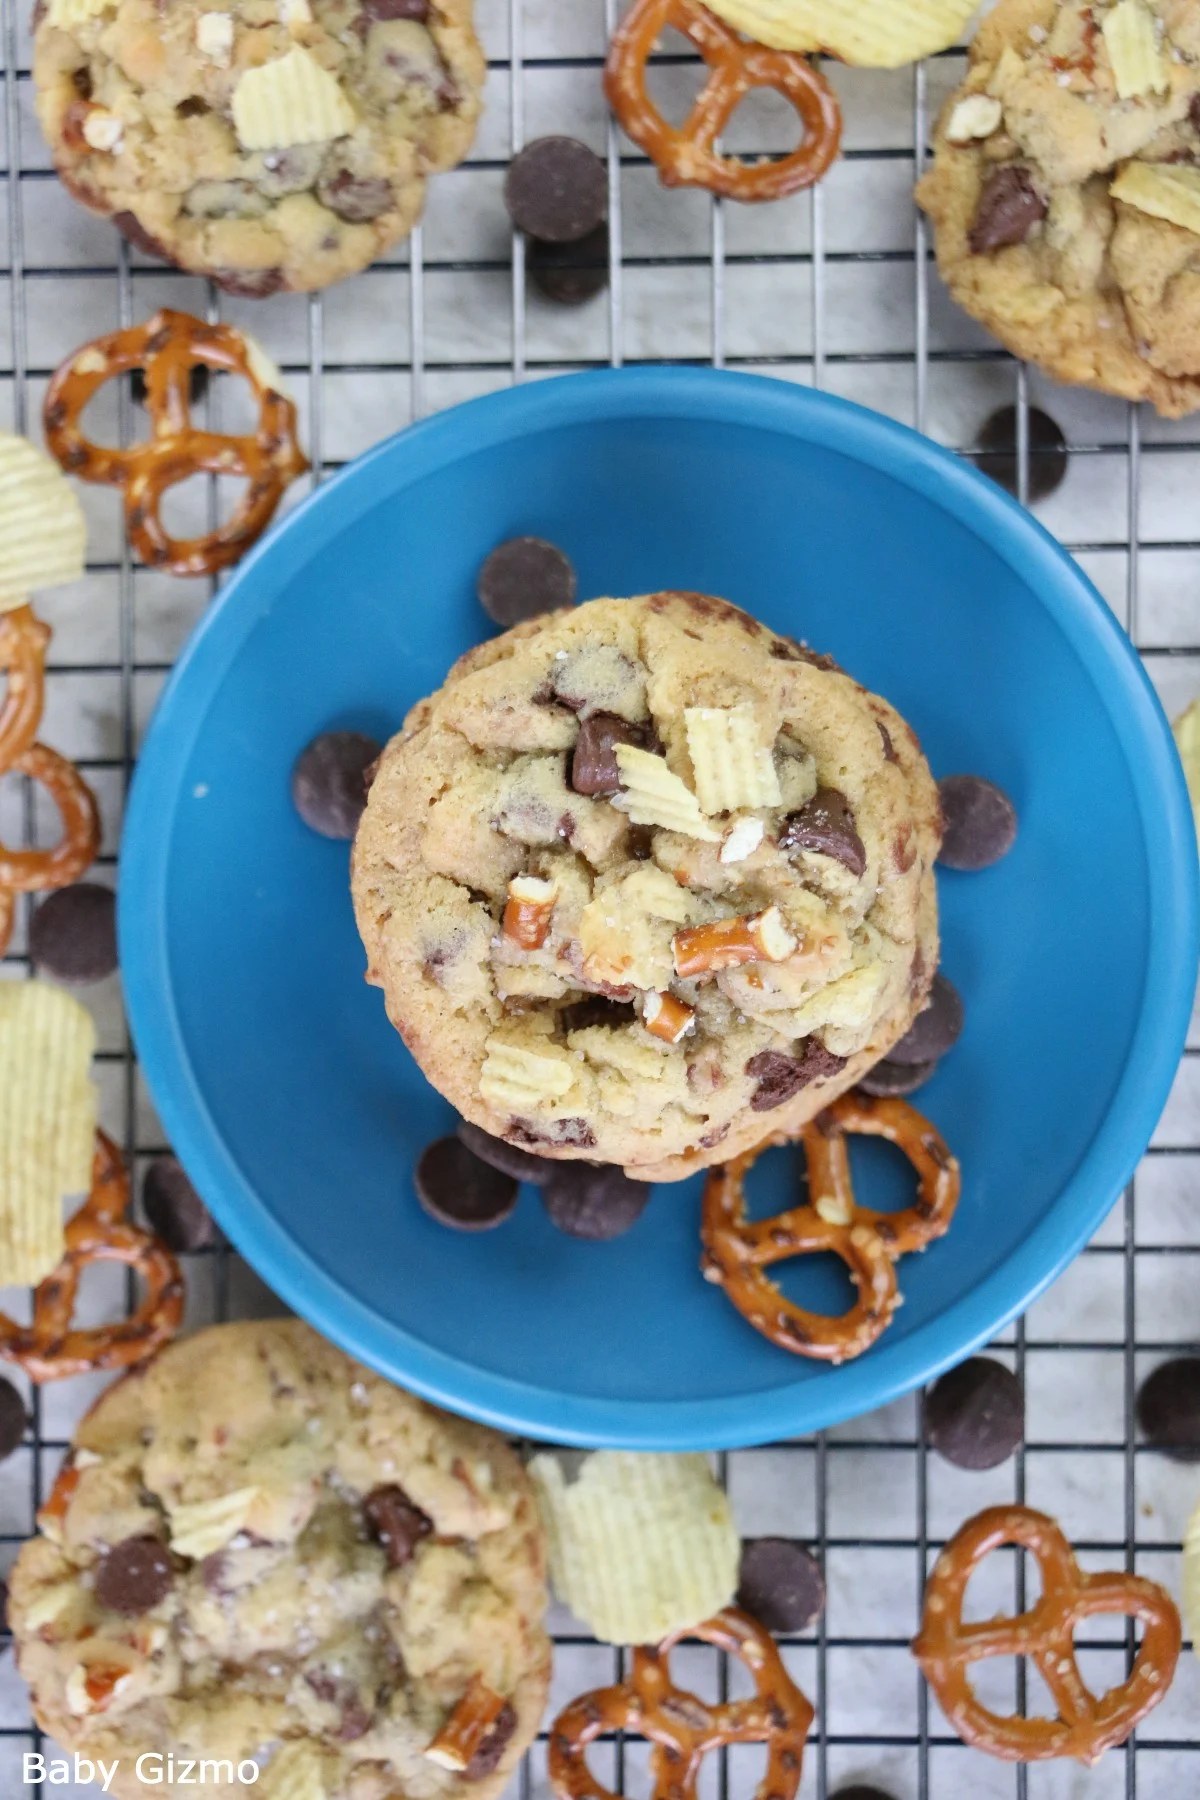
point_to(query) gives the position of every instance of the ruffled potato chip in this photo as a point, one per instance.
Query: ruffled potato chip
(734, 770)
(47, 1123)
(291, 100)
(43, 536)
(874, 34)
(652, 795)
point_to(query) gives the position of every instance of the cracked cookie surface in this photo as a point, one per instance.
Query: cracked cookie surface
(645, 883)
(269, 144)
(1065, 192)
(261, 1550)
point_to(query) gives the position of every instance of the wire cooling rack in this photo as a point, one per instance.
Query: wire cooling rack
(833, 289)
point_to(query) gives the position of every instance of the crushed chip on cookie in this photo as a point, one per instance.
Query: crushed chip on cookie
(43, 537)
(47, 1122)
(1163, 193)
(652, 794)
(291, 100)
(1187, 740)
(874, 34)
(1135, 50)
(640, 1544)
(734, 769)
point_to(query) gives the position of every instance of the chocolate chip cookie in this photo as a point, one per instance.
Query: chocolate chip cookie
(259, 1551)
(1065, 192)
(269, 144)
(646, 883)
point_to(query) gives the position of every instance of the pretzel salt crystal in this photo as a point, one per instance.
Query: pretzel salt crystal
(167, 348)
(50, 1346)
(737, 1252)
(687, 156)
(1085, 1726)
(683, 1728)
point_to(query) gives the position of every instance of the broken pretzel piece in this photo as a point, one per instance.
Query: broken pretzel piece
(466, 1730)
(666, 1017)
(727, 943)
(528, 911)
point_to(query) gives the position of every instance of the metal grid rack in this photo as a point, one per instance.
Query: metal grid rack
(835, 289)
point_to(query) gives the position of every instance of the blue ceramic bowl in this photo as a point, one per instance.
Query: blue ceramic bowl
(296, 1108)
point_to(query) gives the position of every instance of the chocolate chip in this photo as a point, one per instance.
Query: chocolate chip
(395, 1523)
(975, 1414)
(861, 1792)
(1194, 111)
(576, 1132)
(356, 198)
(1008, 208)
(73, 933)
(596, 1201)
(826, 824)
(556, 189)
(329, 781)
(891, 1079)
(781, 1583)
(13, 1419)
(132, 229)
(935, 1030)
(495, 1742)
(597, 1009)
(980, 822)
(192, 108)
(251, 284)
(174, 1208)
(997, 452)
(134, 1576)
(521, 1165)
(523, 578)
(1168, 1408)
(570, 273)
(594, 763)
(379, 10)
(459, 1189)
(889, 749)
(780, 1076)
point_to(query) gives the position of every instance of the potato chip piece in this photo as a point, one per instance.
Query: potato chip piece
(640, 1544)
(42, 532)
(1187, 739)
(875, 34)
(291, 100)
(47, 1122)
(68, 14)
(296, 1772)
(200, 1527)
(1165, 192)
(1138, 63)
(1191, 1579)
(519, 1078)
(652, 795)
(734, 770)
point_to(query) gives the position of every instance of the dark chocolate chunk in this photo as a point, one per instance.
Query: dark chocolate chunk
(135, 1576)
(780, 1076)
(135, 233)
(556, 189)
(576, 1132)
(594, 762)
(826, 824)
(1194, 111)
(891, 1079)
(861, 1792)
(459, 1189)
(379, 10)
(570, 273)
(173, 1207)
(250, 284)
(935, 1030)
(521, 1165)
(395, 1523)
(980, 822)
(597, 1009)
(523, 578)
(780, 1583)
(329, 781)
(73, 933)
(596, 1201)
(975, 1414)
(356, 198)
(1168, 1408)
(496, 1740)
(13, 1419)
(997, 453)
(1008, 209)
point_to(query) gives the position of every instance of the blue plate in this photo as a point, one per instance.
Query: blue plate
(296, 1108)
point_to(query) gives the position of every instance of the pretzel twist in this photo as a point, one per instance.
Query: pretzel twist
(1085, 1726)
(23, 640)
(683, 1728)
(686, 156)
(737, 1252)
(50, 1347)
(166, 348)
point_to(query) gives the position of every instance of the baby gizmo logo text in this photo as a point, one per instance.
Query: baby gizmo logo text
(150, 1769)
